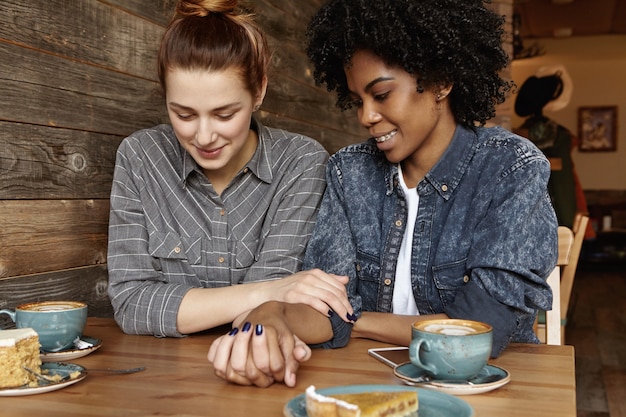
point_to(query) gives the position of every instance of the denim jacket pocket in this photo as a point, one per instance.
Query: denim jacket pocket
(449, 278)
(170, 247)
(368, 277)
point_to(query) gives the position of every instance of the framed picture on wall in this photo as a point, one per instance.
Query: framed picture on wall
(597, 129)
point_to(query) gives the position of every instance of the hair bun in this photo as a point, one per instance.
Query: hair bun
(202, 8)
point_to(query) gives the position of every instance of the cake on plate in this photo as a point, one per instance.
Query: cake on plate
(19, 349)
(366, 404)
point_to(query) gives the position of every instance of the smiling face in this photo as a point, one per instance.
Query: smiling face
(210, 113)
(410, 127)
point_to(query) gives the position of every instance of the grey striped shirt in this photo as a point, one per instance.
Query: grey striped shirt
(169, 231)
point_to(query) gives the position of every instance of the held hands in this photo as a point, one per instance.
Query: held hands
(317, 289)
(261, 355)
(267, 348)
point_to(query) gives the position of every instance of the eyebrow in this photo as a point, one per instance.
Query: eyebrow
(375, 81)
(224, 107)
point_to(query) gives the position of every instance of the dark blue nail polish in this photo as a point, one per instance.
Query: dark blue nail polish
(258, 330)
(233, 332)
(331, 313)
(351, 317)
(246, 327)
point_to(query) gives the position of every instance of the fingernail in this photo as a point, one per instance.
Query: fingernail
(246, 327)
(258, 330)
(331, 313)
(351, 317)
(233, 332)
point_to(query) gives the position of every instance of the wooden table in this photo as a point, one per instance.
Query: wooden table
(178, 380)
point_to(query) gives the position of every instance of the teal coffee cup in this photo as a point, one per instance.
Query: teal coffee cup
(58, 323)
(450, 348)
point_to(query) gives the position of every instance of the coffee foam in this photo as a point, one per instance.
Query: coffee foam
(449, 329)
(51, 306)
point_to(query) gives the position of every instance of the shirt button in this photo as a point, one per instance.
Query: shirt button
(398, 223)
(245, 170)
(444, 187)
(466, 279)
(176, 249)
(220, 259)
(387, 281)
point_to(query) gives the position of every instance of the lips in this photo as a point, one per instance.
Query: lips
(385, 138)
(210, 153)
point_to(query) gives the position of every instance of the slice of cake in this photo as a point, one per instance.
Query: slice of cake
(19, 348)
(366, 404)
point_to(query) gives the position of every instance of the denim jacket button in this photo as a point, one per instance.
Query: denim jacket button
(444, 187)
(358, 267)
(387, 281)
(398, 223)
(466, 279)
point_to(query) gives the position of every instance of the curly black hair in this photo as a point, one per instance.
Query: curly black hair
(440, 42)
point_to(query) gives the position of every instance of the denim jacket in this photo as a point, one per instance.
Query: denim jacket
(485, 237)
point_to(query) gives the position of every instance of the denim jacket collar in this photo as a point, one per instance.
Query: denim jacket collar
(446, 175)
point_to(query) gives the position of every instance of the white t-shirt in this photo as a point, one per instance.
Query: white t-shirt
(403, 300)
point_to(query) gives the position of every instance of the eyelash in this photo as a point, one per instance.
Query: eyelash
(378, 97)
(185, 117)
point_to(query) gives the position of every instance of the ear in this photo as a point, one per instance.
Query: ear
(443, 92)
(261, 95)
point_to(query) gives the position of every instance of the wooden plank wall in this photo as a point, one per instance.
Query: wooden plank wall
(76, 77)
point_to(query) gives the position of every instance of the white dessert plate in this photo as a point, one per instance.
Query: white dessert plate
(90, 345)
(52, 368)
(431, 403)
(489, 378)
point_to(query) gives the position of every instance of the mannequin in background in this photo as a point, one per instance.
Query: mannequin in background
(551, 92)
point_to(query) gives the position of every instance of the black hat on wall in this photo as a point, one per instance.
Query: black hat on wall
(536, 92)
(549, 89)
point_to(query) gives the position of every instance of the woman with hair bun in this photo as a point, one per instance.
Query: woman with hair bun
(434, 215)
(214, 199)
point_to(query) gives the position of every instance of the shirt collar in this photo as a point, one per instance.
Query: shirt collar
(260, 164)
(447, 173)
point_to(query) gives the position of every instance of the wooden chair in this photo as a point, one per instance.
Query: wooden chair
(549, 329)
(568, 271)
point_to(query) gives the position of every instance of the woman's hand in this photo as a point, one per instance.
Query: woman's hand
(259, 354)
(317, 289)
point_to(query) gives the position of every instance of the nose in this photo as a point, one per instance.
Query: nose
(205, 134)
(368, 115)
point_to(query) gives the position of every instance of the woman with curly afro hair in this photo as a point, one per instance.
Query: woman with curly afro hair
(434, 215)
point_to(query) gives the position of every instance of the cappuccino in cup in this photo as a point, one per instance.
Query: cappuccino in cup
(58, 323)
(450, 348)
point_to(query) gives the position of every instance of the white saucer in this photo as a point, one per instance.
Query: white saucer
(410, 375)
(73, 352)
(52, 368)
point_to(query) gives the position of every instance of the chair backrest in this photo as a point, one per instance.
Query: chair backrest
(569, 270)
(553, 317)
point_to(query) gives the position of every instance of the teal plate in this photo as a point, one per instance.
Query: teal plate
(431, 403)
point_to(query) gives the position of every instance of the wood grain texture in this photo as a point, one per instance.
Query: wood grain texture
(55, 163)
(77, 76)
(178, 380)
(49, 235)
(88, 284)
(87, 31)
(73, 95)
(597, 329)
